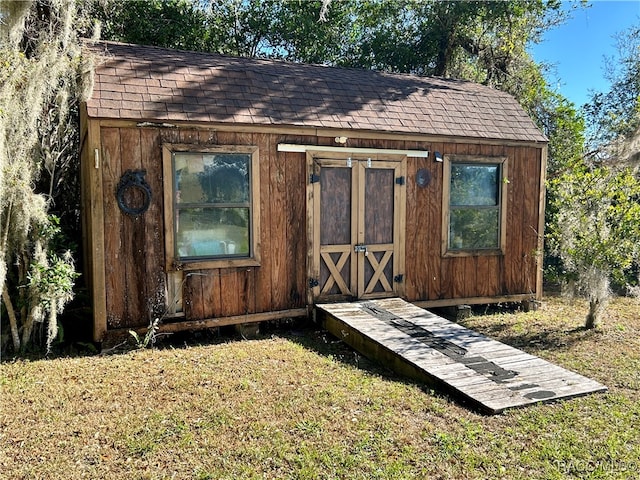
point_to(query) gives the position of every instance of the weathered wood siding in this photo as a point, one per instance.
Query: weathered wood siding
(134, 246)
(432, 277)
(134, 257)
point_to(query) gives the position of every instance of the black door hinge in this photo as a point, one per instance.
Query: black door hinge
(398, 278)
(313, 283)
(400, 180)
(313, 178)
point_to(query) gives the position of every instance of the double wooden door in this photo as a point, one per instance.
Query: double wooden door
(357, 222)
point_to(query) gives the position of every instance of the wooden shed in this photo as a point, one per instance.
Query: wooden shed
(221, 190)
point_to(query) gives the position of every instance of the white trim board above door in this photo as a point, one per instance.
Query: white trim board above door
(291, 147)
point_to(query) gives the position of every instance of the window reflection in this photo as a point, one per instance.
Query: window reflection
(474, 206)
(474, 185)
(213, 210)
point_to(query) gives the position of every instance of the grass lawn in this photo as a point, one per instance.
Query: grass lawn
(299, 404)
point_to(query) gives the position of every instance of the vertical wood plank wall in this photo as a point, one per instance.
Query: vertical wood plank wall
(134, 275)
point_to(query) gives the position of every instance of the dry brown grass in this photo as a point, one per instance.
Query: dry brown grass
(302, 405)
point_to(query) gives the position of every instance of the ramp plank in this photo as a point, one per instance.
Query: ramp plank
(488, 374)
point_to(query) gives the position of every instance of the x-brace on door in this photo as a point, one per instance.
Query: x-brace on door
(356, 208)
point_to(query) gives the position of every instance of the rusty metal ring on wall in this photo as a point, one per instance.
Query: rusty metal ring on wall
(133, 179)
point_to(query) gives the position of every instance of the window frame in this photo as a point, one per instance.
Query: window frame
(502, 163)
(173, 262)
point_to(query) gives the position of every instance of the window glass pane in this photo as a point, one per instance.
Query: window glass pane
(474, 184)
(212, 178)
(472, 228)
(188, 188)
(209, 232)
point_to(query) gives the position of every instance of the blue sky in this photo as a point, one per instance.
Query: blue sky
(578, 47)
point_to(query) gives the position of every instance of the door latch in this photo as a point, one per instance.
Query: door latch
(360, 247)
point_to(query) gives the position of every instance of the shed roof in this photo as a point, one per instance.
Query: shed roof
(155, 84)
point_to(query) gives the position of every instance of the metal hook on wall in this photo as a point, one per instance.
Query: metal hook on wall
(133, 179)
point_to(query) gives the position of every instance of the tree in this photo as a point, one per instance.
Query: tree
(565, 127)
(240, 28)
(39, 73)
(178, 24)
(597, 230)
(251, 28)
(474, 40)
(615, 115)
(596, 227)
(299, 35)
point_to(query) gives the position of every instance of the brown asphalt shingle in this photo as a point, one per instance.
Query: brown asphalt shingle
(155, 84)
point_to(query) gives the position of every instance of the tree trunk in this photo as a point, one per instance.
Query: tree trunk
(13, 321)
(596, 308)
(27, 329)
(598, 295)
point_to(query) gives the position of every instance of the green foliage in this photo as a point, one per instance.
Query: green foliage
(480, 41)
(41, 85)
(603, 218)
(565, 128)
(240, 27)
(594, 211)
(171, 23)
(267, 28)
(53, 280)
(298, 35)
(149, 338)
(596, 229)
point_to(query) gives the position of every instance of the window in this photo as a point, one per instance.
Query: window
(475, 190)
(212, 210)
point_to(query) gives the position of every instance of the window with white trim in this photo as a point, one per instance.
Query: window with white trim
(213, 206)
(474, 197)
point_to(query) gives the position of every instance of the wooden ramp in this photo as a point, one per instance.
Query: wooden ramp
(488, 374)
